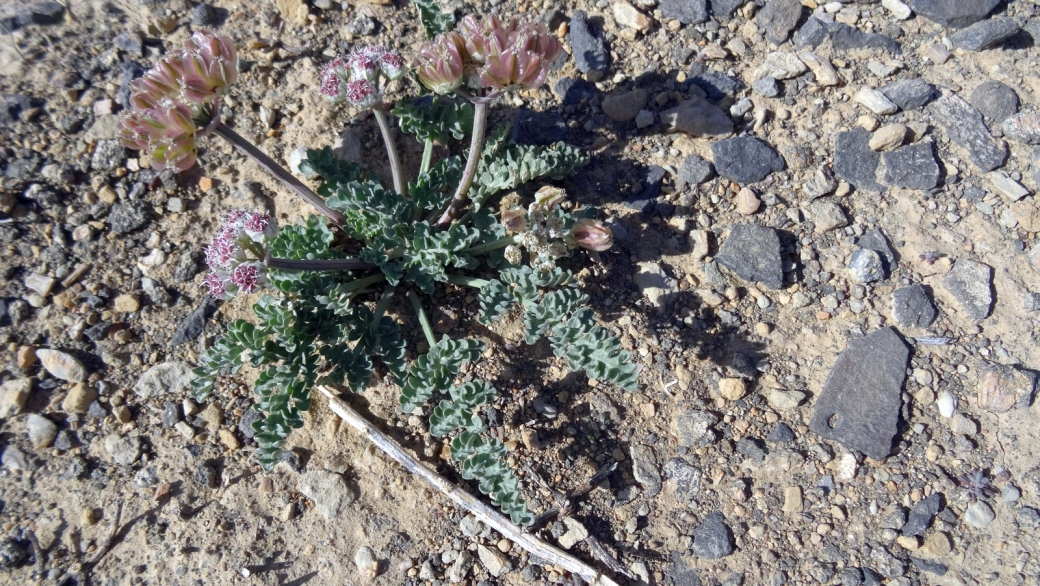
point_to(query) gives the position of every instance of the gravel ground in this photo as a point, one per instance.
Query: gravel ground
(827, 261)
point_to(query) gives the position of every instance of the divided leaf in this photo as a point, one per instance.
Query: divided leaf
(431, 118)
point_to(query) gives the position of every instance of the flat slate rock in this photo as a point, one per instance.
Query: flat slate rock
(753, 253)
(921, 515)
(854, 160)
(716, 85)
(912, 166)
(712, 539)
(912, 307)
(587, 46)
(954, 13)
(964, 125)
(909, 94)
(694, 170)
(996, 101)
(538, 128)
(860, 402)
(971, 283)
(745, 159)
(778, 18)
(193, 325)
(725, 7)
(685, 11)
(985, 34)
(842, 36)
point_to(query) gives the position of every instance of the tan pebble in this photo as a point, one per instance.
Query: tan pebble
(26, 356)
(732, 388)
(79, 398)
(88, 516)
(288, 512)
(122, 413)
(228, 439)
(823, 315)
(108, 195)
(205, 184)
(888, 137)
(530, 439)
(908, 543)
(763, 329)
(504, 545)
(126, 303)
(747, 202)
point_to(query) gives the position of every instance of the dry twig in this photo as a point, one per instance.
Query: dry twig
(478, 509)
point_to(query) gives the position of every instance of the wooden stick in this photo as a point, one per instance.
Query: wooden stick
(478, 509)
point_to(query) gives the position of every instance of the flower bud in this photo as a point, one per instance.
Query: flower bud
(363, 63)
(248, 277)
(391, 64)
(259, 227)
(216, 286)
(440, 67)
(549, 197)
(362, 93)
(332, 85)
(592, 235)
(514, 220)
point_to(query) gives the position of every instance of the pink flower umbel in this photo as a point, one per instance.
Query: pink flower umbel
(592, 235)
(216, 286)
(248, 277)
(441, 66)
(237, 253)
(357, 77)
(362, 93)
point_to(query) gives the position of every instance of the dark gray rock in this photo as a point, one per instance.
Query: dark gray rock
(644, 201)
(875, 240)
(204, 15)
(860, 402)
(98, 331)
(842, 36)
(108, 156)
(127, 216)
(245, 424)
(129, 42)
(725, 8)
(850, 577)
(11, 553)
(995, 100)
(171, 415)
(538, 128)
(985, 34)
(865, 266)
(712, 539)
(716, 85)
(971, 283)
(871, 578)
(752, 449)
(912, 307)
(21, 169)
(573, 91)
(778, 18)
(685, 11)
(912, 166)
(187, 266)
(854, 160)
(745, 159)
(909, 94)
(964, 125)
(694, 170)
(193, 325)
(782, 433)
(929, 566)
(954, 13)
(767, 87)
(47, 13)
(590, 53)
(204, 475)
(921, 515)
(679, 573)
(753, 253)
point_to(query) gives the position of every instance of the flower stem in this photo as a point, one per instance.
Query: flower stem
(384, 302)
(476, 148)
(331, 264)
(423, 321)
(493, 245)
(391, 152)
(427, 156)
(467, 281)
(277, 171)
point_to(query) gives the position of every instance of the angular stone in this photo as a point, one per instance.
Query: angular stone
(685, 11)
(964, 125)
(644, 469)
(753, 253)
(13, 394)
(913, 307)
(693, 428)
(1012, 190)
(61, 365)
(329, 492)
(909, 94)
(780, 65)
(913, 166)
(921, 515)
(827, 215)
(861, 399)
(1023, 127)
(627, 15)
(842, 36)
(193, 325)
(694, 170)
(79, 398)
(766, 86)
(995, 100)
(576, 533)
(716, 85)
(712, 539)
(653, 282)
(745, 159)
(1002, 387)
(985, 34)
(954, 13)
(888, 137)
(41, 431)
(42, 284)
(898, 9)
(820, 184)
(495, 563)
(782, 433)
(682, 480)
(587, 46)
(127, 216)
(821, 67)
(366, 561)
(697, 117)
(971, 283)
(854, 160)
(979, 515)
(626, 106)
(865, 266)
(778, 18)
(167, 378)
(875, 101)
(123, 450)
(783, 399)
(725, 8)
(875, 240)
